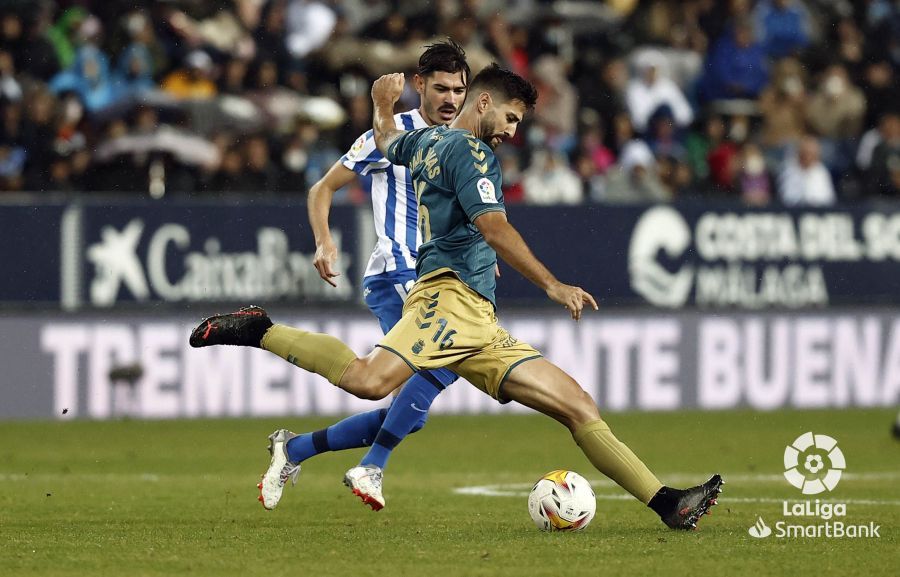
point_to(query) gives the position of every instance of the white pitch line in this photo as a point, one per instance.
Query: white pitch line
(725, 499)
(43, 477)
(522, 489)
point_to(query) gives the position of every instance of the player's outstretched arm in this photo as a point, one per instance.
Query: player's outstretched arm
(511, 247)
(385, 93)
(318, 207)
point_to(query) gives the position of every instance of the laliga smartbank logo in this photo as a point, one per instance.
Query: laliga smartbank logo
(813, 463)
(805, 463)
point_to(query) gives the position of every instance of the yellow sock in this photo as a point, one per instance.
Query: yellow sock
(315, 352)
(616, 461)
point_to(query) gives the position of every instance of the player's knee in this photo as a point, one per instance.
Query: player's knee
(362, 382)
(581, 410)
(374, 388)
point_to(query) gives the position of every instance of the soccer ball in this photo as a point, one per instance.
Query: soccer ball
(562, 501)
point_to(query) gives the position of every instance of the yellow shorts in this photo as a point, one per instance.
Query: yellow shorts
(447, 324)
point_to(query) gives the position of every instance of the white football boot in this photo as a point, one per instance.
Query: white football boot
(365, 481)
(280, 470)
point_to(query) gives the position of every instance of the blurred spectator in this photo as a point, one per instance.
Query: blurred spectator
(557, 104)
(135, 66)
(722, 159)
(89, 75)
(511, 166)
(271, 31)
(229, 178)
(27, 38)
(675, 175)
(805, 181)
(261, 173)
(549, 180)
(592, 147)
(783, 106)
(10, 89)
(753, 183)
(883, 173)
(736, 67)
(59, 175)
(194, 81)
(634, 179)
(220, 29)
(881, 89)
(63, 33)
(359, 108)
(662, 135)
(783, 26)
(234, 78)
(608, 95)
(309, 24)
(134, 72)
(12, 164)
(851, 47)
(650, 90)
(622, 133)
(835, 110)
(38, 137)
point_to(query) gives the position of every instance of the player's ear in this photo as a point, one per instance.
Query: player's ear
(484, 101)
(419, 82)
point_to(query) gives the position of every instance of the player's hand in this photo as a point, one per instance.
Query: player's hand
(572, 297)
(497, 270)
(326, 256)
(388, 88)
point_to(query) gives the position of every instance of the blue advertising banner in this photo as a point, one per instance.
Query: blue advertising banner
(100, 255)
(714, 256)
(30, 252)
(209, 252)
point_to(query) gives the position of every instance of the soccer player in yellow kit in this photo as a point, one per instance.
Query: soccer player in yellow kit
(449, 316)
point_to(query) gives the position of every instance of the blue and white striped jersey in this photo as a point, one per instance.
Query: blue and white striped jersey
(393, 201)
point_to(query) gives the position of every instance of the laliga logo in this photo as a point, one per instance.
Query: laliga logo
(660, 228)
(805, 463)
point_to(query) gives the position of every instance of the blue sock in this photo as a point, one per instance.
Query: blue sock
(354, 431)
(407, 414)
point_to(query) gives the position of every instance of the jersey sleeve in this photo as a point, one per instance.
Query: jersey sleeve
(364, 157)
(476, 178)
(403, 147)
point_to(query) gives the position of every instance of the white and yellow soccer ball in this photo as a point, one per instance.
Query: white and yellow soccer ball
(562, 501)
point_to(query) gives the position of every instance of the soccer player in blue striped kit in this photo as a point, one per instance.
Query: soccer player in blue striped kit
(441, 80)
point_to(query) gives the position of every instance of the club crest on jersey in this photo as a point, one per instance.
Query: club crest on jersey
(357, 147)
(486, 190)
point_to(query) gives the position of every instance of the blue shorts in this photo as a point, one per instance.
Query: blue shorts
(384, 295)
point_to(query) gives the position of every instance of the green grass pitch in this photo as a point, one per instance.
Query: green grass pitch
(138, 498)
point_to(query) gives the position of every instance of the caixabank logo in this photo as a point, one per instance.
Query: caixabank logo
(813, 463)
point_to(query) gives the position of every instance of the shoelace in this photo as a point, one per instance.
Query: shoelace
(374, 476)
(289, 471)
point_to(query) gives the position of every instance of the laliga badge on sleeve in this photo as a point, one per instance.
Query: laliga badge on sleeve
(356, 148)
(486, 190)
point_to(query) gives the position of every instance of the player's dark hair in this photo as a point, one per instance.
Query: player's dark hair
(503, 82)
(444, 57)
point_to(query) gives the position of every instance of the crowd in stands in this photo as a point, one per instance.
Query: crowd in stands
(767, 101)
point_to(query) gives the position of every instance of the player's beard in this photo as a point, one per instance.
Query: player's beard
(487, 132)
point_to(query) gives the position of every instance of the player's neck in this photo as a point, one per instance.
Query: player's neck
(467, 120)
